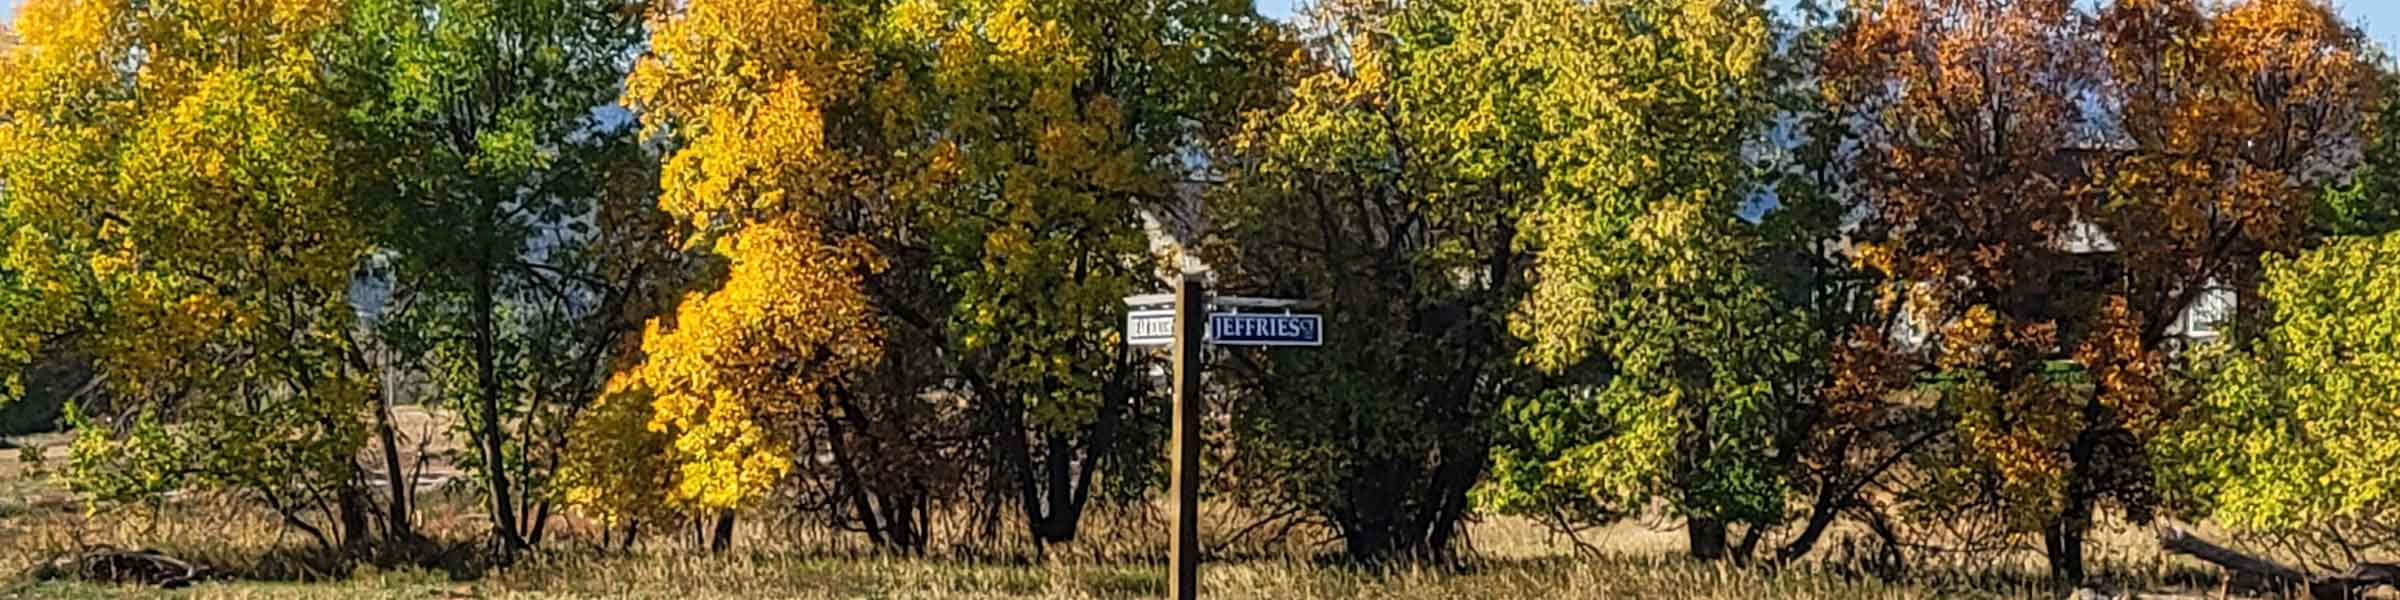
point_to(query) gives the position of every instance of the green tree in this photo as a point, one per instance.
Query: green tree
(1045, 129)
(2370, 203)
(479, 137)
(173, 209)
(2296, 435)
(1387, 185)
(1644, 294)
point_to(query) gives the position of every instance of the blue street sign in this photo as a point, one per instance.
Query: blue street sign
(1265, 329)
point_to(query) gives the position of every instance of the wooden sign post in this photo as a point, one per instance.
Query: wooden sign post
(1191, 317)
(1188, 329)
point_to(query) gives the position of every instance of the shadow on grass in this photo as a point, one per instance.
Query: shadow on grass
(308, 564)
(461, 561)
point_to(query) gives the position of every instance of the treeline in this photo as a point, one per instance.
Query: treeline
(1946, 270)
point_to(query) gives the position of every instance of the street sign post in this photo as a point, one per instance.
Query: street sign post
(1183, 322)
(1190, 297)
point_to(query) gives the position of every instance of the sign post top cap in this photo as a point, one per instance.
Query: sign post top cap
(1148, 300)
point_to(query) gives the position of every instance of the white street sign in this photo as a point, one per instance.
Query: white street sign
(1150, 327)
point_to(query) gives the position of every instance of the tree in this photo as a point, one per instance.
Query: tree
(173, 210)
(2238, 116)
(1365, 190)
(1644, 293)
(1046, 130)
(2292, 436)
(2370, 203)
(16, 349)
(1839, 438)
(2049, 192)
(1973, 184)
(479, 133)
(757, 172)
(732, 370)
(617, 468)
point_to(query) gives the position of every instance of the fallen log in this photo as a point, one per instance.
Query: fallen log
(2252, 574)
(143, 567)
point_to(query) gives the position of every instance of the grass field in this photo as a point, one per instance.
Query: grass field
(1118, 559)
(1119, 555)
(1514, 562)
(771, 577)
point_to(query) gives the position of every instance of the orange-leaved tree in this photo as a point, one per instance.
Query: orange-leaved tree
(2050, 192)
(1968, 114)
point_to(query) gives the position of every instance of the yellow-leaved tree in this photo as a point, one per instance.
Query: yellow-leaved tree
(729, 369)
(999, 154)
(730, 376)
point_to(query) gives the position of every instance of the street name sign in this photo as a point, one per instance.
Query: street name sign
(1150, 327)
(1265, 329)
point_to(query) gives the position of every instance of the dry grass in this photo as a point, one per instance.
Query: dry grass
(1118, 558)
(1119, 555)
(21, 468)
(769, 577)
(766, 575)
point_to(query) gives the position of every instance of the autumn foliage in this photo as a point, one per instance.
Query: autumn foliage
(2051, 190)
(1951, 277)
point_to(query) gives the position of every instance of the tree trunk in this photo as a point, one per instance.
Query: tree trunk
(1064, 513)
(351, 504)
(1368, 540)
(1748, 547)
(1053, 504)
(1402, 509)
(2062, 546)
(1707, 537)
(1054, 490)
(1009, 433)
(1836, 493)
(397, 516)
(2254, 575)
(495, 460)
(897, 511)
(1465, 457)
(2062, 540)
(1890, 561)
(541, 523)
(721, 539)
(1820, 517)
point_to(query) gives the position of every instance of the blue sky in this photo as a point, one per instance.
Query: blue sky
(2382, 17)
